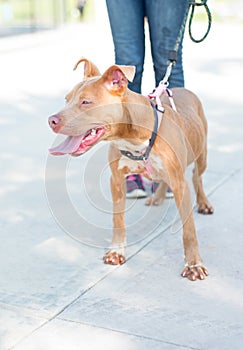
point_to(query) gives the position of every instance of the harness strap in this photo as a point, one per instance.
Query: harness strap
(144, 156)
(158, 92)
(158, 110)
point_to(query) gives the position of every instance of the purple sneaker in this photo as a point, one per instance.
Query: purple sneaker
(135, 188)
(154, 187)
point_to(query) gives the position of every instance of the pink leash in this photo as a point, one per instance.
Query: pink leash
(156, 94)
(158, 113)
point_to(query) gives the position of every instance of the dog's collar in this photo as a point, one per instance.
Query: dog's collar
(145, 154)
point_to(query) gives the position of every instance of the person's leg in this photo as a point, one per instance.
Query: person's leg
(165, 19)
(127, 25)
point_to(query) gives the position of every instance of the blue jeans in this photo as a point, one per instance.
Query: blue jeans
(127, 25)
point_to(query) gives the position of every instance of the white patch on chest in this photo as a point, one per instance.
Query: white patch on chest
(133, 165)
(152, 166)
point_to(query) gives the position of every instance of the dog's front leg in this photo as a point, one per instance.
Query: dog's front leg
(194, 268)
(116, 253)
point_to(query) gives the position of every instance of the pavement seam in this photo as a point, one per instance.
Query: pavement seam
(55, 316)
(141, 336)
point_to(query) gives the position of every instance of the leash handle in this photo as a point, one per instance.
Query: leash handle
(172, 55)
(193, 5)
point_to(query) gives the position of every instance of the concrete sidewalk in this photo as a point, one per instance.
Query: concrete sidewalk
(55, 292)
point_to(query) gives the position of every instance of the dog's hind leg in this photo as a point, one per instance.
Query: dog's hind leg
(159, 195)
(194, 268)
(204, 206)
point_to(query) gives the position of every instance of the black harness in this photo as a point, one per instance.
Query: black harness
(144, 156)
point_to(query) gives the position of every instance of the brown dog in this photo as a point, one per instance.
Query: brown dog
(101, 107)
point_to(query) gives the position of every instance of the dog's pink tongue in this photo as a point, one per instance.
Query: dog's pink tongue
(70, 145)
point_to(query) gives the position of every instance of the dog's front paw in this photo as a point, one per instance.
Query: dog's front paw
(114, 258)
(194, 272)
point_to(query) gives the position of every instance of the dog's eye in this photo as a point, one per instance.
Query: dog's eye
(85, 102)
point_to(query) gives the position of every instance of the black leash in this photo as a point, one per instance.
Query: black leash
(172, 56)
(144, 156)
(193, 5)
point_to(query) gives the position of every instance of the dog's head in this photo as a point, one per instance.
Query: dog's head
(93, 108)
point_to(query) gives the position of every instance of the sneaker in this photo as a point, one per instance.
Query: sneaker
(154, 187)
(135, 188)
(169, 193)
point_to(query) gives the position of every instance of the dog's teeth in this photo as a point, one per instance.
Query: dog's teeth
(93, 132)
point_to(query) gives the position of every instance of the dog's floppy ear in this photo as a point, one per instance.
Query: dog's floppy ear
(116, 78)
(129, 71)
(90, 69)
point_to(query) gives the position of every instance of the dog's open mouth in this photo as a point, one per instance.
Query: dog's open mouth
(77, 145)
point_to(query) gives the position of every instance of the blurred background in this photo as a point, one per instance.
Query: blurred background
(21, 16)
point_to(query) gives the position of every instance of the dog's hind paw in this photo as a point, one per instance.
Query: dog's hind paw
(195, 272)
(205, 208)
(153, 201)
(113, 258)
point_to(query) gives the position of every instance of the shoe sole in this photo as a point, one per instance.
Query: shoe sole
(137, 193)
(169, 195)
